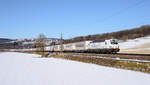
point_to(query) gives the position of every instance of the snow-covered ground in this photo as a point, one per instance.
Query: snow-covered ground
(28, 69)
(138, 44)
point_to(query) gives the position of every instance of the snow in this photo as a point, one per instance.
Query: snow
(134, 42)
(29, 69)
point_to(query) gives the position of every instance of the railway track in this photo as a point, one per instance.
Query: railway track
(133, 54)
(119, 56)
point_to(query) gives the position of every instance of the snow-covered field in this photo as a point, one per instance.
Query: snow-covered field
(28, 69)
(139, 44)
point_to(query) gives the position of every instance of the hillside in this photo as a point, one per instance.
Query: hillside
(138, 45)
(4, 40)
(24, 43)
(121, 35)
(5, 43)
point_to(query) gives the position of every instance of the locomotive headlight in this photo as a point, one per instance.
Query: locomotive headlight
(115, 47)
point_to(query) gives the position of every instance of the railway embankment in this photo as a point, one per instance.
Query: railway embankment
(109, 60)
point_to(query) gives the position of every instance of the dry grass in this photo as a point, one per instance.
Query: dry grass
(135, 66)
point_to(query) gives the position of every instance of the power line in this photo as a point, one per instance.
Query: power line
(123, 10)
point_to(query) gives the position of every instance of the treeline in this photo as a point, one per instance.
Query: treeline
(121, 35)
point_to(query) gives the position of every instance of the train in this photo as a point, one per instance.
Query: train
(98, 46)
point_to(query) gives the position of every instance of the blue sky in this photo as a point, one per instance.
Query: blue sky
(28, 18)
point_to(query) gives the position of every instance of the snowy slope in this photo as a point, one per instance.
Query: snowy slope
(135, 43)
(28, 69)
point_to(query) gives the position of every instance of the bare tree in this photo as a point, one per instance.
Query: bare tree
(40, 44)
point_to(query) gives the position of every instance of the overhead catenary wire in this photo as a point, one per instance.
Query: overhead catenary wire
(122, 11)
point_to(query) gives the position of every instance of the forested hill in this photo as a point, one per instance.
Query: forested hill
(121, 35)
(3, 40)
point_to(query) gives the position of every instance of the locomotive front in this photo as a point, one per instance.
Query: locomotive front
(114, 46)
